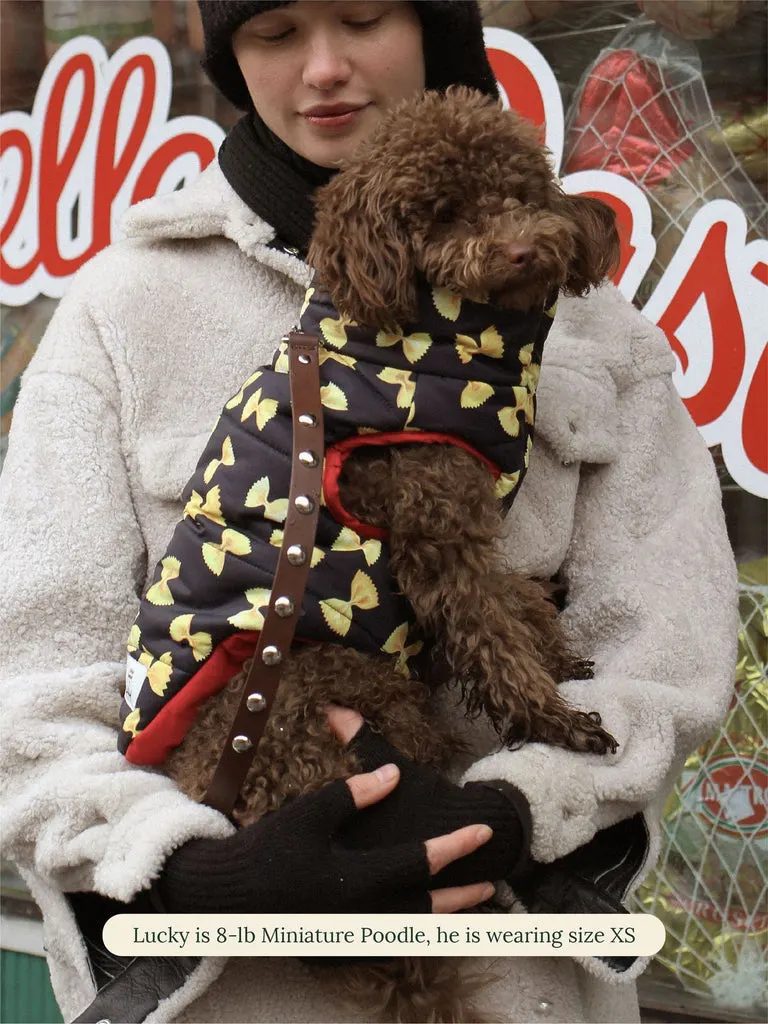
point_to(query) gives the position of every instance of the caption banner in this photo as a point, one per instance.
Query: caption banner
(377, 934)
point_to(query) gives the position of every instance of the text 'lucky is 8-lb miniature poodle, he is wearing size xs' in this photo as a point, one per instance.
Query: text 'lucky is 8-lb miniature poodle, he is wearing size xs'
(439, 253)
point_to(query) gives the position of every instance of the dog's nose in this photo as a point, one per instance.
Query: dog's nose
(519, 255)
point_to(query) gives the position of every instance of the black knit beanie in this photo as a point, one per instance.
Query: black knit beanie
(454, 52)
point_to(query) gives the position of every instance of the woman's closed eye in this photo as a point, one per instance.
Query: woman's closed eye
(369, 23)
(274, 39)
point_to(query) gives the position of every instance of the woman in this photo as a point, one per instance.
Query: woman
(153, 335)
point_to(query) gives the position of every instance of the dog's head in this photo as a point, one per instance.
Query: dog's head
(461, 190)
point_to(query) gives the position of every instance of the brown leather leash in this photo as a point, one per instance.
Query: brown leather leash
(290, 580)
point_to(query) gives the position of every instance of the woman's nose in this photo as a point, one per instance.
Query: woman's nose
(326, 63)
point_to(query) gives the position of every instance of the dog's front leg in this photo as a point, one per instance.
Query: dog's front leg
(499, 632)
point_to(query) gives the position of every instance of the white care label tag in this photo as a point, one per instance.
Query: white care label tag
(135, 674)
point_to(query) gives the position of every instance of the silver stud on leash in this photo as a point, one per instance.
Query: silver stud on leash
(271, 655)
(296, 555)
(284, 607)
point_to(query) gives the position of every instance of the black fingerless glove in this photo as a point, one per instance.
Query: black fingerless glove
(425, 804)
(291, 861)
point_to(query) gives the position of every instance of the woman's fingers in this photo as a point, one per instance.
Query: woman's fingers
(447, 901)
(371, 787)
(344, 722)
(374, 786)
(446, 849)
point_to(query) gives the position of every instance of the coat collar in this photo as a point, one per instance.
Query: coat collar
(210, 208)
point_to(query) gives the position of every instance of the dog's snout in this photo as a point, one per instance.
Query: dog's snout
(519, 255)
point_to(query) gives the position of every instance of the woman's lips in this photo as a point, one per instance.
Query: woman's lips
(334, 121)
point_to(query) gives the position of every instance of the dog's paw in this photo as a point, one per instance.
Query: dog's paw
(562, 726)
(588, 736)
(582, 668)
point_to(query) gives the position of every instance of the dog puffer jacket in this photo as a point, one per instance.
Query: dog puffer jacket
(466, 375)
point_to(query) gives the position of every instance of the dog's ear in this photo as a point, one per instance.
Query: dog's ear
(596, 239)
(362, 256)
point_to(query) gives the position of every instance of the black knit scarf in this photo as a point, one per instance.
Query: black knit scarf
(273, 181)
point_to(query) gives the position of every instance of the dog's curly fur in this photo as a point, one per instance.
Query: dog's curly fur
(455, 188)
(464, 192)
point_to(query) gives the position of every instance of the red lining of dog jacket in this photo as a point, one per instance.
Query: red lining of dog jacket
(172, 722)
(337, 454)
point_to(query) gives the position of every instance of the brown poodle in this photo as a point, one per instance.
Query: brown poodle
(454, 191)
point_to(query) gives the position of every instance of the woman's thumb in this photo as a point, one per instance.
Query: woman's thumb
(371, 787)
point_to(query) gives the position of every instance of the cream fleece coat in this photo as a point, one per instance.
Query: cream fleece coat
(115, 408)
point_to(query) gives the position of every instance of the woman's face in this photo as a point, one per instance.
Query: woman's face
(322, 73)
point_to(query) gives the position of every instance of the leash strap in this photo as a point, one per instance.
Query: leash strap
(290, 581)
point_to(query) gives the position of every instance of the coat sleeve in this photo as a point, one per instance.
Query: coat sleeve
(652, 600)
(77, 815)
